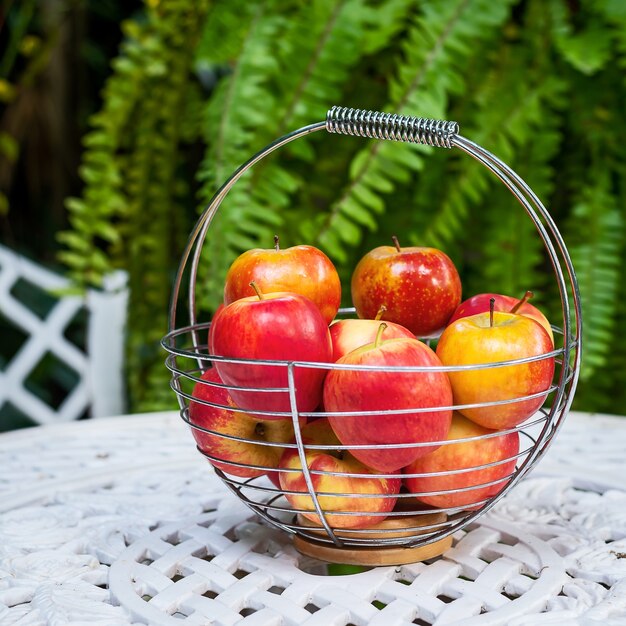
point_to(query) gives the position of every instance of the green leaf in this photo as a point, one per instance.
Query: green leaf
(588, 50)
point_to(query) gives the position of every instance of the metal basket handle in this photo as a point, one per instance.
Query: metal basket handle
(390, 126)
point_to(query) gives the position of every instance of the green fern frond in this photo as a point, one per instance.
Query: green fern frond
(429, 71)
(223, 32)
(318, 53)
(131, 214)
(509, 114)
(511, 255)
(324, 44)
(605, 390)
(585, 46)
(597, 231)
(241, 105)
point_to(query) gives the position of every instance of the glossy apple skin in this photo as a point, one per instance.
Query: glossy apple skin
(471, 340)
(320, 433)
(301, 269)
(480, 304)
(420, 287)
(375, 390)
(348, 335)
(457, 456)
(235, 424)
(219, 309)
(282, 326)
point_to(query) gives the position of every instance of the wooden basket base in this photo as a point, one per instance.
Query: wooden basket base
(375, 556)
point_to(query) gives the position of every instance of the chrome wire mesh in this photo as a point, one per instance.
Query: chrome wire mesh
(189, 357)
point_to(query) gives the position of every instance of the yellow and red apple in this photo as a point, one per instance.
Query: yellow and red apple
(483, 447)
(242, 443)
(266, 327)
(419, 286)
(300, 269)
(507, 304)
(339, 489)
(420, 396)
(484, 339)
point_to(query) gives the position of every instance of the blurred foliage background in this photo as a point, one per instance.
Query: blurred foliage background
(120, 120)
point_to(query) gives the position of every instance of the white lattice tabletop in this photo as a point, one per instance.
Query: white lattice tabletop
(120, 521)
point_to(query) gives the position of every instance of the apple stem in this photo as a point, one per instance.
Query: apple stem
(257, 290)
(382, 309)
(396, 243)
(527, 296)
(276, 243)
(492, 306)
(379, 334)
(259, 429)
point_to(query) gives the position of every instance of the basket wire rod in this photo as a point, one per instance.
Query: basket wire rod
(201, 352)
(236, 489)
(184, 414)
(473, 515)
(456, 514)
(453, 472)
(188, 375)
(302, 454)
(369, 475)
(359, 368)
(364, 542)
(356, 532)
(429, 409)
(500, 170)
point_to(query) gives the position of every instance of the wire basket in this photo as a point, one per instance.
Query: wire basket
(411, 531)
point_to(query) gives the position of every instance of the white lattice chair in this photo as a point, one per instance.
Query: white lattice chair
(97, 366)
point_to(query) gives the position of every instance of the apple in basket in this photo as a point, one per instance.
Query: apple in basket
(266, 327)
(480, 304)
(365, 393)
(300, 269)
(337, 493)
(464, 455)
(420, 287)
(490, 338)
(350, 334)
(229, 426)
(219, 309)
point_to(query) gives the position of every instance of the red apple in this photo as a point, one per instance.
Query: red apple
(343, 465)
(477, 340)
(300, 269)
(231, 427)
(462, 456)
(508, 304)
(353, 390)
(419, 286)
(219, 309)
(273, 326)
(348, 335)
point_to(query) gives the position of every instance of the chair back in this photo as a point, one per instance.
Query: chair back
(61, 356)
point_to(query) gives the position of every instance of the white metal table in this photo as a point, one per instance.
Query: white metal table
(120, 521)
